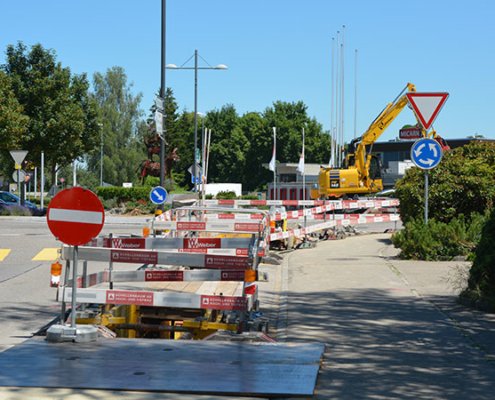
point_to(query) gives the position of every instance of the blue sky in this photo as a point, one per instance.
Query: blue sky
(281, 50)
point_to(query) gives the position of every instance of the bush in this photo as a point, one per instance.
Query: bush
(439, 241)
(227, 195)
(461, 184)
(481, 284)
(122, 194)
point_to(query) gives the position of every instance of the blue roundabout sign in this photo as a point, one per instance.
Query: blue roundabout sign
(426, 153)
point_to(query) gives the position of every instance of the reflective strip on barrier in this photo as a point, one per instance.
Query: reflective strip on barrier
(159, 299)
(161, 275)
(159, 257)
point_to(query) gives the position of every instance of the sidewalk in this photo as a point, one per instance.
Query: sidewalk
(392, 328)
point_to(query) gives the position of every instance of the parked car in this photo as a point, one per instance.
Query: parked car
(9, 204)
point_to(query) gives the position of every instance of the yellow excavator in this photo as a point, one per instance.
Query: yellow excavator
(362, 171)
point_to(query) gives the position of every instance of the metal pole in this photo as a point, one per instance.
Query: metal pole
(275, 165)
(304, 177)
(35, 182)
(426, 197)
(195, 172)
(110, 265)
(355, 92)
(332, 97)
(162, 95)
(101, 156)
(74, 174)
(19, 186)
(74, 288)
(42, 194)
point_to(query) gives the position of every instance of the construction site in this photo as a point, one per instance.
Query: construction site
(166, 253)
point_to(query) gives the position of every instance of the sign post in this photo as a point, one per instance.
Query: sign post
(18, 156)
(426, 154)
(74, 216)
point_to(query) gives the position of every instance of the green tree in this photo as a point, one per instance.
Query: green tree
(62, 116)
(13, 124)
(229, 146)
(461, 184)
(259, 150)
(175, 134)
(289, 119)
(481, 284)
(122, 129)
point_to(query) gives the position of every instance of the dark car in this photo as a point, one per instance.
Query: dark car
(9, 204)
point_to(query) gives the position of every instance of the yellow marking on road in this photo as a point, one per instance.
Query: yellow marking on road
(4, 253)
(47, 254)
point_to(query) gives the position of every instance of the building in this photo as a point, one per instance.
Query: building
(395, 156)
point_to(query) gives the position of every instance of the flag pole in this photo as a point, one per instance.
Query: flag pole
(275, 163)
(303, 172)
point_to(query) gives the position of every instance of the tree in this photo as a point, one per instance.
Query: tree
(122, 129)
(62, 116)
(461, 184)
(229, 146)
(13, 124)
(290, 119)
(481, 284)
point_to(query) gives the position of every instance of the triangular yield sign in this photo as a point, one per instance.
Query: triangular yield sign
(18, 156)
(426, 106)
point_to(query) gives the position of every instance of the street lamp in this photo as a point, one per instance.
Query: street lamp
(196, 68)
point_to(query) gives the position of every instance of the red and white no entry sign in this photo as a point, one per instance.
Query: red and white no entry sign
(75, 216)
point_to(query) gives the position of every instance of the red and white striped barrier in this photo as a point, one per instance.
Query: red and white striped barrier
(159, 257)
(331, 224)
(159, 299)
(344, 204)
(223, 246)
(160, 275)
(228, 226)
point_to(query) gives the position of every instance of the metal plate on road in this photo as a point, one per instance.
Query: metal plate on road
(203, 367)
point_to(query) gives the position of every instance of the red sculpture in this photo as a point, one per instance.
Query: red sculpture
(152, 168)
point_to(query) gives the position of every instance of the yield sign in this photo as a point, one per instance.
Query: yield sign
(426, 106)
(18, 156)
(75, 216)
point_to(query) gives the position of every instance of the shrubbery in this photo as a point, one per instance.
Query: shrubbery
(463, 183)
(481, 284)
(439, 240)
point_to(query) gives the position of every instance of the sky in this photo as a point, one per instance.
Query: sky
(281, 50)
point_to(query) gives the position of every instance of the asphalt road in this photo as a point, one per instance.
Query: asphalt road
(26, 299)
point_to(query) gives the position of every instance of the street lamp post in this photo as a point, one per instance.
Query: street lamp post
(196, 68)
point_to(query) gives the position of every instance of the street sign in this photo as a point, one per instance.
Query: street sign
(196, 180)
(159, 123)
(75, 216)
(158, 195)
(18, 156)
(426, 153)
(199, 169)
(426, 106)
(22, 176)
(159, 103)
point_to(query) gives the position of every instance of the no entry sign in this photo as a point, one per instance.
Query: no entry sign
(75, 216)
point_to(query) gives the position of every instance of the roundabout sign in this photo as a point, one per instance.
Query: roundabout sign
(426, 153)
